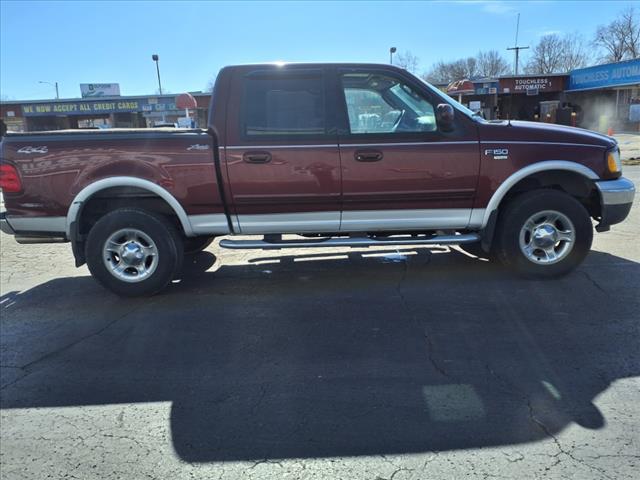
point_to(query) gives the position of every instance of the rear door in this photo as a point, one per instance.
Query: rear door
(399, 169)
(281, 151)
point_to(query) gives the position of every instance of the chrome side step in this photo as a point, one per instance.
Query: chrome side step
(276, 243)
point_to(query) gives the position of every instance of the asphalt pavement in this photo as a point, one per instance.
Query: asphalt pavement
(410, 363)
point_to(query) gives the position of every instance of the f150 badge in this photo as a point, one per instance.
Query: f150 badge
(30, 149)
(498, 153)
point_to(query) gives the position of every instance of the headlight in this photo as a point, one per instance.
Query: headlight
(614, 165)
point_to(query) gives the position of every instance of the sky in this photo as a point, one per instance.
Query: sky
(77, 42)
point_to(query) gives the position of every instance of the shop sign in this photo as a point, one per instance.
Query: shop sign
(609, 75)
(100, 90)
(534, 84)
(81, 108)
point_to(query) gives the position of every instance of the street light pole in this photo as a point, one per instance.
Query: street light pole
(392, 50)
(155, 58)
(52, 84)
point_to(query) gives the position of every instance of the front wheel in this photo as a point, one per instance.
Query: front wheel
(133, 252)
(544, 233)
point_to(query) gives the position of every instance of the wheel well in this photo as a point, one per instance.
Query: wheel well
(112, 198)
(578, 186)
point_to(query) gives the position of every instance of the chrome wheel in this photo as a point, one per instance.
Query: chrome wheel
(547, 237)
(130, 255)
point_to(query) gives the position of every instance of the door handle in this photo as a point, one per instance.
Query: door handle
(257, 157)
(368, 155)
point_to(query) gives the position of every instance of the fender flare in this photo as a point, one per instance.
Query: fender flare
(510, 181)
(87, 192)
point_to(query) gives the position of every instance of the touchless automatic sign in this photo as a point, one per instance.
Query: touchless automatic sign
(603, 76)
(532, 85)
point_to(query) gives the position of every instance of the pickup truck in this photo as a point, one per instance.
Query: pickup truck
(351, 155)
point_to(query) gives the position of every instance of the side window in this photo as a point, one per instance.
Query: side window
(382, 104)
(283, 105)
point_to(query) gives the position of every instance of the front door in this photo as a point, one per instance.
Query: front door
(400, 171)
(281, 152)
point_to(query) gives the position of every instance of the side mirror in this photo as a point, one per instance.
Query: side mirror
(444, 117)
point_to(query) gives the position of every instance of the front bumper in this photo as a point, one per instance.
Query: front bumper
(4, 224)
(616, 198)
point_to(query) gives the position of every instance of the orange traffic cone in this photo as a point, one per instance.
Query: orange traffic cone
(610, 132)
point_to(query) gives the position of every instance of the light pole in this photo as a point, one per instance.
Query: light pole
(52, 84)
(155, 58)
(392, 50)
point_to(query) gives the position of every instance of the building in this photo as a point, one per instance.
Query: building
(102, 112)
(531, 97)
(608, 96)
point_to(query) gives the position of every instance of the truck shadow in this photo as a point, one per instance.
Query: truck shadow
(283, 358)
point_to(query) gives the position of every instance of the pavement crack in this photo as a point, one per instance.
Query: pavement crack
(29, 367)
(425, 334)
(561, 449)
(593, 281)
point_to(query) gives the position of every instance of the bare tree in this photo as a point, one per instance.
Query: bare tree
(555, 54)
(491, 64)
(620, 39)
(445, 72)
(408, 61)
(483, 65)
(210, 84)
(631, 27)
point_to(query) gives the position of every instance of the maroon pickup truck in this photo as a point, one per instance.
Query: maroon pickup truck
(338, 154)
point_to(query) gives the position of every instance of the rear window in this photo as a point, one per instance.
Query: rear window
(283, 106)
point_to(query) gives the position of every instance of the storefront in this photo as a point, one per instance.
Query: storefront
(11, 115)
(607, 96)
(532, 97)
(103, 112)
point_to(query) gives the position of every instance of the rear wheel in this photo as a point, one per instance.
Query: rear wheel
(133, 252)
(544, 233)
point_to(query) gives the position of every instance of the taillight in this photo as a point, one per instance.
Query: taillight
(9, 179)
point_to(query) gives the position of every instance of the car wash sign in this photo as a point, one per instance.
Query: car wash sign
(98, 107)
(606, 76)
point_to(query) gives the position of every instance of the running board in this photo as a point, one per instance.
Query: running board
(352, 242)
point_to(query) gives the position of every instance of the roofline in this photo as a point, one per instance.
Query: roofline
(107, 98)
(535, 75)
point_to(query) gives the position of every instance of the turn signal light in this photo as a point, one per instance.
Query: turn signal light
(613, 161)
(9, 179)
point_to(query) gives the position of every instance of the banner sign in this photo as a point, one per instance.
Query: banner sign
(609, 75)
(100, 90)
(484, 88)
(537, 84)
(82, 108)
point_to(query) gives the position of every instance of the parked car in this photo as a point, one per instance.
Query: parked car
(339, 154)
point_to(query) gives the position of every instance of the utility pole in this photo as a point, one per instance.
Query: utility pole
(516, 47)
(392, 50)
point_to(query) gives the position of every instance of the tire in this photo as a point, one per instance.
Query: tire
(529, 227)
(193, 245)
(133, 252)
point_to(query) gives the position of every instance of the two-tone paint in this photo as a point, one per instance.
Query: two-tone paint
(215, 181)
